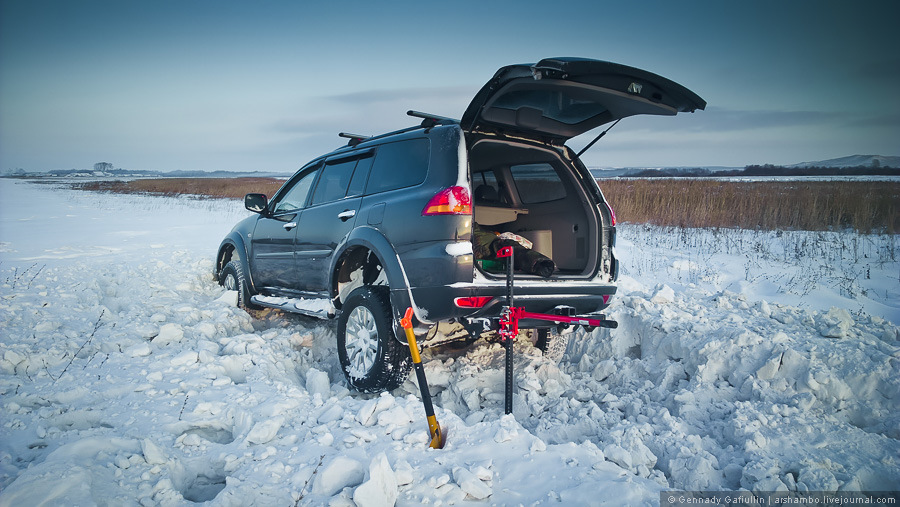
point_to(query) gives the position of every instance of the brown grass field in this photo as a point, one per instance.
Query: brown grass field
(864, 206)
(225, 188)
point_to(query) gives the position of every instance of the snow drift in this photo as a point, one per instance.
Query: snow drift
(129, 377)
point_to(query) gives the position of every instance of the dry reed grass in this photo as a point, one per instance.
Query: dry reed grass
(865, 206)
(227, 188)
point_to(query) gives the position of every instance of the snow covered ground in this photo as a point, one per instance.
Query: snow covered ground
(755, 360)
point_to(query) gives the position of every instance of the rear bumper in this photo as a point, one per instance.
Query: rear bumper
(539, 297)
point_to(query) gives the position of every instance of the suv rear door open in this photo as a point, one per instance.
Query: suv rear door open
(557, 99)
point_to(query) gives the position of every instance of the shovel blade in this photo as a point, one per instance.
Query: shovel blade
(438, 437)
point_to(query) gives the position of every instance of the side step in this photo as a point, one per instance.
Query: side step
(313, 307)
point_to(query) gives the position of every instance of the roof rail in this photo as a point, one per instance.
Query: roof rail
(355, 139)
(430, 120)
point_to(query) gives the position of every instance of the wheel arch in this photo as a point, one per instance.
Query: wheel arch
(231, 244)
(366, 247)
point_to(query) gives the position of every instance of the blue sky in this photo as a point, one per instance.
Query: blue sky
(267, 85)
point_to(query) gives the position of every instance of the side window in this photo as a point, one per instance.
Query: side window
(334, 181)
(295, 197)
(360, 176)
(398, 165)
(537, 183)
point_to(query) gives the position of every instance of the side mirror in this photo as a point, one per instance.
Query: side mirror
(256, 203)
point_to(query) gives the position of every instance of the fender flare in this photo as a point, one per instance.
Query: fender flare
(401, 295)
(236, 243)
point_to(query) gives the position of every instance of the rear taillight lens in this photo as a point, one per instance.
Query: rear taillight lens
(472, 302)
(450, 201)
(612, 214)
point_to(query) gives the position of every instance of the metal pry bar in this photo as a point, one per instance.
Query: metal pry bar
(354, 138)
(430, 120)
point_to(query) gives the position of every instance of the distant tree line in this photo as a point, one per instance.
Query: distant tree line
(768, 170)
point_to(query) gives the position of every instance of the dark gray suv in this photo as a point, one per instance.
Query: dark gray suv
(410, 218)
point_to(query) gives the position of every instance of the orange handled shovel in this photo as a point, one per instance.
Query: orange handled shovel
(437, 436)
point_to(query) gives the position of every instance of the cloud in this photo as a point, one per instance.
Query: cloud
(370, 111)
(721, 119)
(881, 120)
(443, 94)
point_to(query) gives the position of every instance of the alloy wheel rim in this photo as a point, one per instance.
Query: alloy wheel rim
(230, 282)
(361, 341)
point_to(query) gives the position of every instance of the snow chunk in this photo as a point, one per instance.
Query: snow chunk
(317, 383)
(664, 295)
(139, 350)
(381, 488)
(341, 473)
(817, 479)
(185, 358)
(153, 453)
(169, 333)
(230, 298)
(403, 472)
(364, 416)
(264, 431)
(331, 414)
(47, 326)
(835, 323)
(461, 248)
(472, 485)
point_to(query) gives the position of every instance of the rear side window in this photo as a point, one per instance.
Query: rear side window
(399, 165)
(487, 190)
(537, 183)
(360, 176)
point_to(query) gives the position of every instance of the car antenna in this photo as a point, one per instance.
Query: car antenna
(355, 139)
(586, 148)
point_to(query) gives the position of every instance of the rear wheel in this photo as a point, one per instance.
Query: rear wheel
(371, 357)
(553, 343)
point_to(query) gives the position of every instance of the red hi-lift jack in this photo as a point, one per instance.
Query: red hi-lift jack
(509, 323)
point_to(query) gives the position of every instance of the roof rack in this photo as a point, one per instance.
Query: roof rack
(355, 139)
(430, 120)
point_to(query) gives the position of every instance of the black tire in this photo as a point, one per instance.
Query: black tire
(553, 342)
(543, 338)
(232, 278)
(371, 357)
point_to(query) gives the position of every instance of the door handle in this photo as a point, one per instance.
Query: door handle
(290, 225)
(347, 214)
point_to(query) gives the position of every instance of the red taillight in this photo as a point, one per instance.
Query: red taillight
(450, 201)
(472, 302)
(612, 214)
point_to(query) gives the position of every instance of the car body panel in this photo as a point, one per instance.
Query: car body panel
(319, 231)
(272, 250)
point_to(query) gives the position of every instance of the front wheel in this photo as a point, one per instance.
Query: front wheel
(370, 355)
(233, 278)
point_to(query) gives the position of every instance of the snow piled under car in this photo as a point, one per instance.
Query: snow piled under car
(128, 376)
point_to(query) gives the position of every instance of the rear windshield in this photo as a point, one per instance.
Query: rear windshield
(554, 104)
(537, 183)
